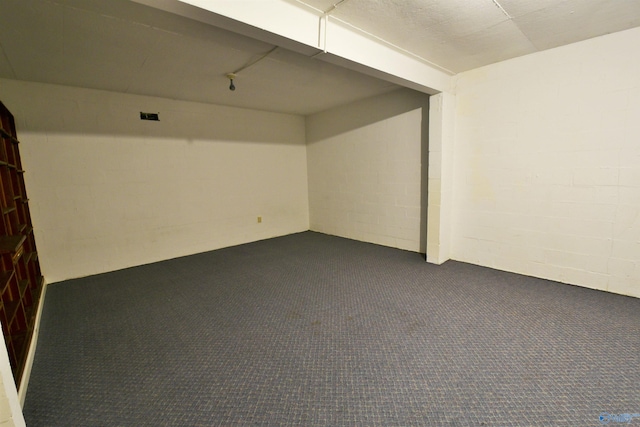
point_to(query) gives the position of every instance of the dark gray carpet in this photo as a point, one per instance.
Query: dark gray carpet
(314, 330)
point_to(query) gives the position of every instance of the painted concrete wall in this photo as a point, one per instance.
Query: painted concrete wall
(365, 170)
(547, 165)
(10, 410)
(109, 191)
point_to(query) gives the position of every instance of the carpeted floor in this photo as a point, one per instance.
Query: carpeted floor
(315, 330)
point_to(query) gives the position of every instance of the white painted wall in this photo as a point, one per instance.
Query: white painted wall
(547, 165)
(365, 170)
(10, 409)
(109, 191)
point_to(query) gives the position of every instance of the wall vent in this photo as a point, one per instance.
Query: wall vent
(149, 116)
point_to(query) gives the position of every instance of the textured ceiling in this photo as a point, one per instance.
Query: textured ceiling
(124, 46)
(460, 35)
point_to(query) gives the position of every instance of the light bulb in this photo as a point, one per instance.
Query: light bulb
(231, 76)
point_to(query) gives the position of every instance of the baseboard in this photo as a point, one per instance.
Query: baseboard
(24, 382)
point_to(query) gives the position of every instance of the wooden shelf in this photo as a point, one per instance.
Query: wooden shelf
(10, 309)
(10, 244)
(31, 256)
(20, 343)
(7, 209)
(22, 286)
(5, 277)
(21, 280)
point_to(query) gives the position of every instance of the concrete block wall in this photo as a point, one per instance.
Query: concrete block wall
(547, 165)
(109, 191)
(365, 165)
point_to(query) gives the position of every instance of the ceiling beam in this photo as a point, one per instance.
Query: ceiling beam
(297, 27)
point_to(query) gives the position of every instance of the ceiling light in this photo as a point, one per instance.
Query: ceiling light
(231, 76)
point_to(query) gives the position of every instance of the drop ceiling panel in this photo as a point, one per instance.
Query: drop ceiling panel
(517, 8)
(434, 30)
(485, 45)
(195, 70)
(282, 82)
(125, 46)
(32, 37)
(285, 81)
(477, 16)
(102, 51)
(184, 73)
(445, 31)
(135, 13)
(574, 20)
(408, 19)
(327, 84)
(5, 66)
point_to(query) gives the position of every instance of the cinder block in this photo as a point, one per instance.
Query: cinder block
(562, 181)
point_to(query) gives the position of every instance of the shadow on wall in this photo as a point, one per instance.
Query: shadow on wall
(50, 109)
(368, 111)
(358, 115)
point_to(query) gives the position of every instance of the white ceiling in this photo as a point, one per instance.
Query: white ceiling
(459, 35)
(127, 47)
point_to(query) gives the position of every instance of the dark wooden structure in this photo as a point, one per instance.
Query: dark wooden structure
(20, 278)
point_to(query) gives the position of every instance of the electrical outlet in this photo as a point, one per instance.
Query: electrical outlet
(259, 219)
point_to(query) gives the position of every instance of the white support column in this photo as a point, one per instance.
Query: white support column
(440, 199)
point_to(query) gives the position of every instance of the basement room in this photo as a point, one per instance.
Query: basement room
(319, 212)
